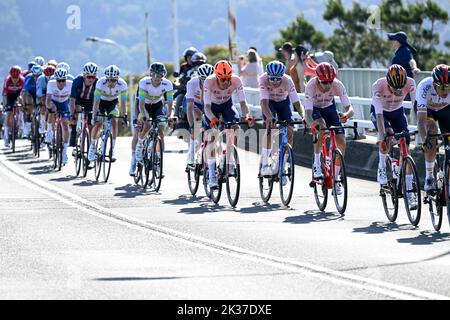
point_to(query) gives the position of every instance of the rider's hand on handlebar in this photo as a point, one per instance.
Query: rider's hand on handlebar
(214, 123)
(250, 121)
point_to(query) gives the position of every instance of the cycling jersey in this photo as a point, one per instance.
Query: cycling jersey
(194, 92)
(427, 97)
(42, 82)
(12, 88)
(151, 94)
(385, 100)
(82, 92)
(30, 84)
(314, 98)
(279, 94)
(212, 94)
(103, 92)
(59, 95)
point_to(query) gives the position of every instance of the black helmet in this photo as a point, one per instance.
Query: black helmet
(158, 68)
(198, 59)
(189, 52)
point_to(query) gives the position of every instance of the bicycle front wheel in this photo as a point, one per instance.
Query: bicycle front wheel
(320, 189)
(435, 199)
(411, 190)
(59, 147)
(99, 157)
(340, 188)
(286, 175)
(233, 176)
(265, 186)
(78, 158)
(388, 193)
(107, 157)
(13, 135)
(85, 144)
(157, 164)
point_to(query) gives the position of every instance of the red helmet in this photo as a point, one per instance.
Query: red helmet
(396, 76)
(326, 72)
(223, 70)
(49, 70)
(441, 74)
(15, 71)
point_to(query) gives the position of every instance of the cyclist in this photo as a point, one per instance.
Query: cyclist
(29, 96)
(41, 93)
(109, 89)
(40, 61)
(138, 125)
(65, 65)
(58, 94)
(321, 111)
(12, 87)
(277, 91)
(152, 90)
(187, 71)
(52, 62)
(433, 104)
(28, 71)
(194, 101)
(217, 97)
(387, 113)
(82, 98)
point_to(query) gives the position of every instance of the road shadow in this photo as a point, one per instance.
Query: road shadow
(260, 207)
(186, 199)
(203, 208)
(86, 183)
(35, 161)
(64, 179)
(41, 170)
(383, 227)
(131, 191)
(312, 216)
(426, 238)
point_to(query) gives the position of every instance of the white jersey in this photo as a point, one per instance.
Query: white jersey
(152, 94)
(103, 92)
(427, 97)
(193, 91)
(59, 95)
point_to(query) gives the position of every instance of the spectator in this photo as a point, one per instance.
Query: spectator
(403, 53)
(298, 70)
(326, 56)
(287, 50)
(248, 69)
(260, 61)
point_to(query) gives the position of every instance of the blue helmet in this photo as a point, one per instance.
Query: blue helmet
(275, 69)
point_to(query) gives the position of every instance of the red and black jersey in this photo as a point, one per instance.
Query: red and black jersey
(13, 87)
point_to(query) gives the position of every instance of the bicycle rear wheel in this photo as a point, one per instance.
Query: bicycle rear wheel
(36, 137)
(340, 187)
(147, 165)
(157, 164)
(107, 158)
(14, 134)
(287, 175)
(265, 186)
(447, 187)
(388, 193)
(59, 147)
(78, 157)
(193, 177)
(436, 199)
(233, 176)
(413, 211)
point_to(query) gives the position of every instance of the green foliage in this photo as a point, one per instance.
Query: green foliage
(216, 53)
(356, 45)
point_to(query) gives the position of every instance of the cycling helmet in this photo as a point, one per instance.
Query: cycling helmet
(275, 69)
(63, 65)
(441, 74)
(15, 71)
(326, 72)
(198, 59)
(158, 68)
(36, 70)
(90, 68)
(39, 60)
(223, 70)
(61, 74)
(189, 52)
(396, 76)
(204, 71)
(49, 70)
(112, 71)
(52, 62)
(31, 64)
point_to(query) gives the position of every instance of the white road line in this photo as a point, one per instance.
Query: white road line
(366, 284)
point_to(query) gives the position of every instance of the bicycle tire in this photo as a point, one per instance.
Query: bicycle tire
(233, 172)
(157, 164)
(60, 146)
(389, 196)
(414, 220)
(85, 144)
(435, 205)
(13, 135)
(321, 190)
(265, 191)
(287, 171)
(341, 204)
(107, 151)
(98, 160)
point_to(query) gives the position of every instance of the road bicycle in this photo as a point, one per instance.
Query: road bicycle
(81, 149)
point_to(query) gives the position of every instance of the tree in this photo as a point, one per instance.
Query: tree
(216, 53)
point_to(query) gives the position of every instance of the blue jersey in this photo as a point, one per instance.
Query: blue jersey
(41, 90)
(80, 91)
(30, 84)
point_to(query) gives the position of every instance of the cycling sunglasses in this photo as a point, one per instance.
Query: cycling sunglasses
(443, 86)
(157, 75)
(91, 77)
(396, 90)
(329, 82)
(275, 79)
(61, 80)
(225, 79)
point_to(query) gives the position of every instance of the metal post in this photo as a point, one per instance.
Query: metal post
(176, 58)
(147, 41)
(131, 97)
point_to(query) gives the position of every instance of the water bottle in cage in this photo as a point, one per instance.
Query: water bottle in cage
(328, 161)
(395, 169)
(440, 179)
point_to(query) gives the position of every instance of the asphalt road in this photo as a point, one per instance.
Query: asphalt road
(63, 237)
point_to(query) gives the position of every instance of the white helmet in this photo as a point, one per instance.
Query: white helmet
(189, 52)
(112, 72)
(90, 68)
(204, 71)
(61, 74)
(63, 65)
(36, 70)
(39, 60)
